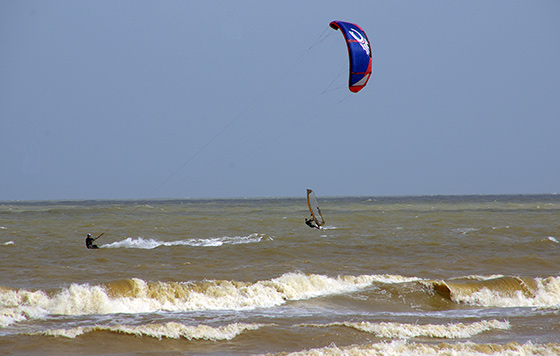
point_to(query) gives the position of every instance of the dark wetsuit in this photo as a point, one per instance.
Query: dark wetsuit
(311, 223)
(89, 243)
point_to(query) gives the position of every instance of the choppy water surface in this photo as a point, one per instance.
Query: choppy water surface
(416, 275)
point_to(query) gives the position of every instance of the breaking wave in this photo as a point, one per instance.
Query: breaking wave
(138, 296)
(501, 291)
(174, 330)
(171, 330)
(407, 331)
(399, 347)
(133, 296)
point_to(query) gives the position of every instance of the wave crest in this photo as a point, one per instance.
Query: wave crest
(138, 296)
(171, 330)
(501, 291)
(406, 348)
(407, 331)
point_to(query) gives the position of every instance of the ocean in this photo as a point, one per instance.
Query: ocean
(426, 275)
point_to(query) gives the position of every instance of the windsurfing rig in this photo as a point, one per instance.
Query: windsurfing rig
(314, 208)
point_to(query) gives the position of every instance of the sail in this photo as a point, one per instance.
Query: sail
(314, 208)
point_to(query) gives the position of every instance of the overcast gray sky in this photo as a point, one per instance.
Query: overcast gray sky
(178, 99)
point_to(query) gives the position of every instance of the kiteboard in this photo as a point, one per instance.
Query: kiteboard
(314, 208)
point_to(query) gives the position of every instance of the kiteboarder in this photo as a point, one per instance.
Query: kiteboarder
(311, 223)
(89, 242)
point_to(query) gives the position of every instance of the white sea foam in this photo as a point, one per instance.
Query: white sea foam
(9, 243)
(171, 330)
(16, 306)
(407, 331)
(466, 230)
(149, 244)
(139, 296)
(400, 347)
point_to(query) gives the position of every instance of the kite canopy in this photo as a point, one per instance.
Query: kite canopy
(359, 53)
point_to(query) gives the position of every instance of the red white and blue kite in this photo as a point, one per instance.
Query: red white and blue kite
(359, 52)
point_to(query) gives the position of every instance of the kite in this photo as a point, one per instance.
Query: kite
(359, 53)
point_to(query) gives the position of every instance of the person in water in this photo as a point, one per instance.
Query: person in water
(89, 242)
(311, 223)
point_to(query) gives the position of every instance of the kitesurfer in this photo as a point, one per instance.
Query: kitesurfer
(311, 223)
(89, 242)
